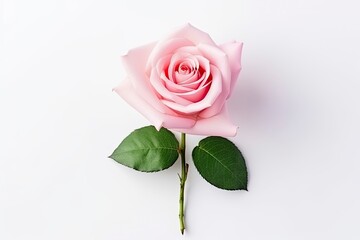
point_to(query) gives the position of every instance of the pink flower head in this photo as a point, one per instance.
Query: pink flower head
(183, 81)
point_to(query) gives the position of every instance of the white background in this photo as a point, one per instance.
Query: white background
(297, 105)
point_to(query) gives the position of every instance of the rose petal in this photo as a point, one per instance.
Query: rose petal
(217, 57)
(164, 48)
(159, 85)
(197, 94)
(162, 66)
(180, 78)
(163, 63)
(188, 49)
(205, 65)
(212, 95)
(193, 85)
(134, 63)
(193, 81)
(173, 87)
(158, 119)
(218, 125)
(177, 59)
(233, 51)
(193, 34)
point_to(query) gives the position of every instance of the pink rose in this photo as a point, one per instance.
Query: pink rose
(182, 82)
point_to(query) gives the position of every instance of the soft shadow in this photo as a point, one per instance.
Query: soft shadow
(261, 105)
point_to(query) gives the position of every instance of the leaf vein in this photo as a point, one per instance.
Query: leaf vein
(232, 173)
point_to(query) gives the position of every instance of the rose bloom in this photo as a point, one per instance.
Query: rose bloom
(183, 81)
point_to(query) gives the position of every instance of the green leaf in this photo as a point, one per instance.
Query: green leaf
(221, 163)
(148, 150)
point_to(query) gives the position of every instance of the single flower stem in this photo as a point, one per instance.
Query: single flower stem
(184, 171)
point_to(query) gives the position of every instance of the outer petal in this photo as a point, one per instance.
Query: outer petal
(218, 125)
(233, 51)
(134, 63)
(158, 119)
(193, 34)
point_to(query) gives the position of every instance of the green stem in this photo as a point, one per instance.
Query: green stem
(184, 171)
